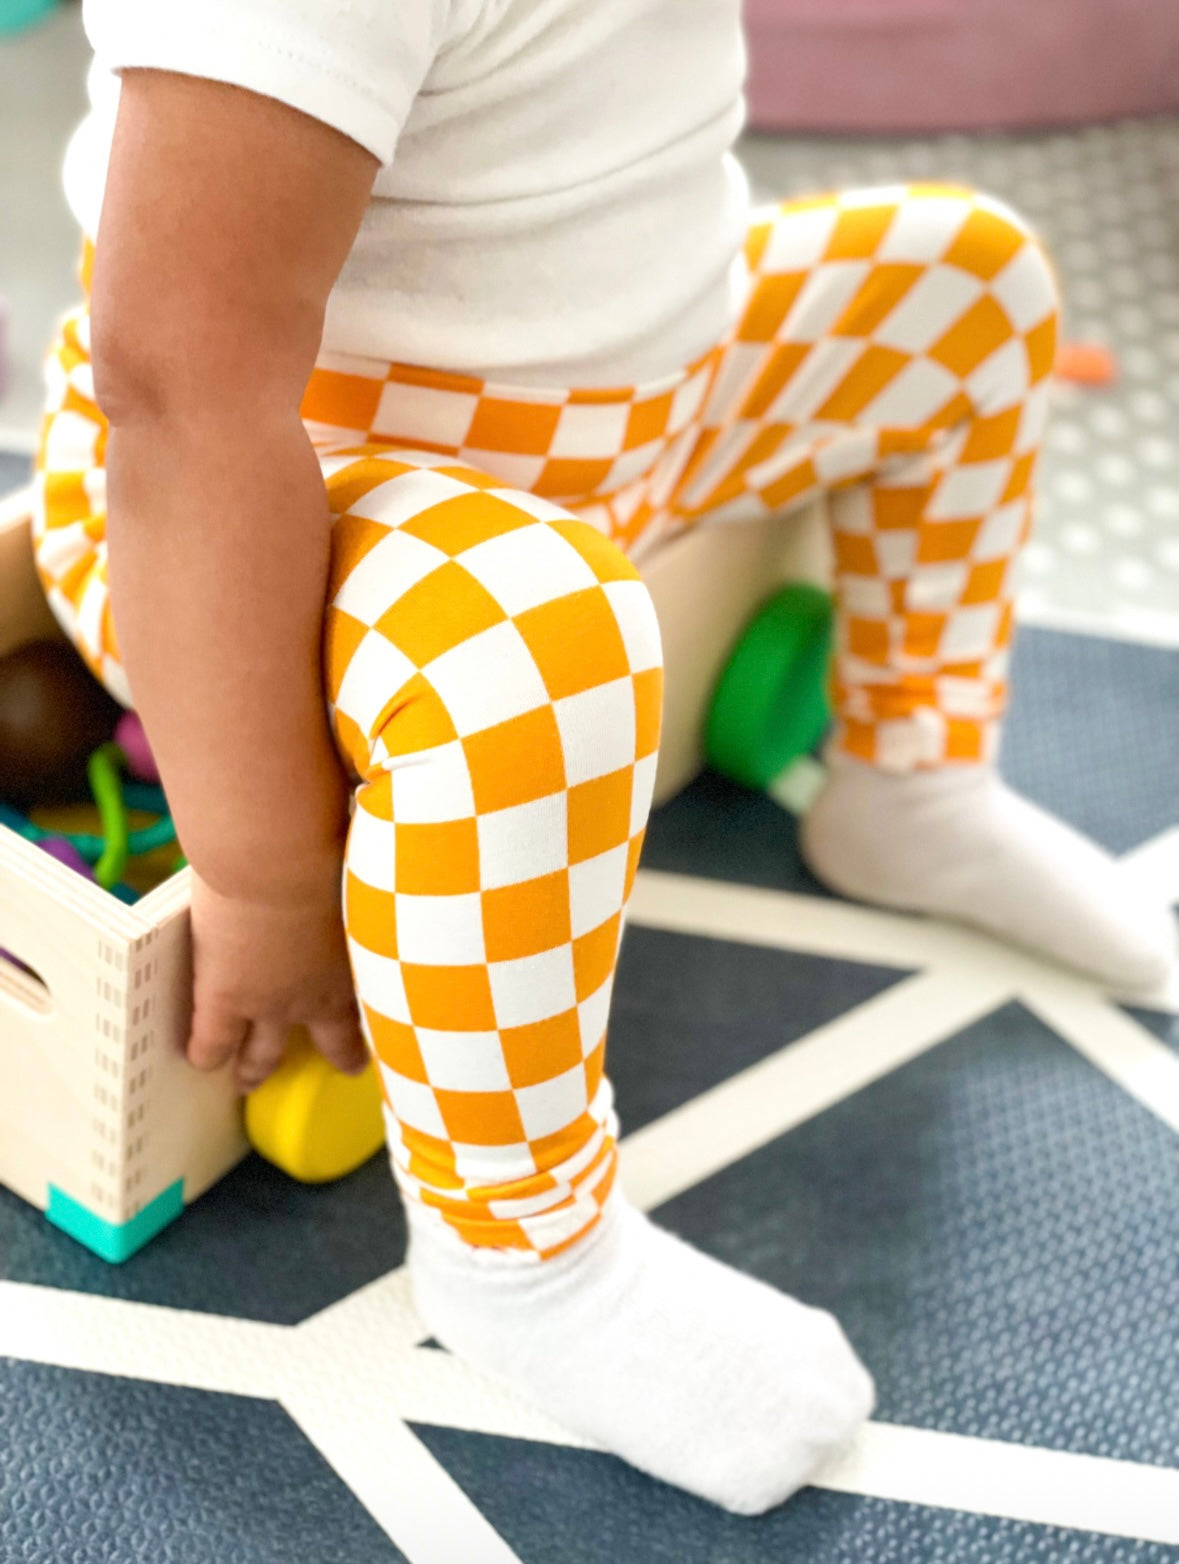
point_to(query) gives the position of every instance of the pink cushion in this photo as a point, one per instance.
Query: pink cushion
(917, 65)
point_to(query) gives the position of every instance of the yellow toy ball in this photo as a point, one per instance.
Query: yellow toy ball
(313, 1121)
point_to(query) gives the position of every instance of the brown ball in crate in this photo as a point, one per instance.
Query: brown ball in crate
(53, 714)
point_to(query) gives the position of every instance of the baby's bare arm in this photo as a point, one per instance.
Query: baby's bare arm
(226, 219)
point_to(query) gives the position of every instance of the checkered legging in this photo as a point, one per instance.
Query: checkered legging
(492, 659)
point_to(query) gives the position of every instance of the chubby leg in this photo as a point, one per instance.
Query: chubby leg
(897, 352)
(494, 671)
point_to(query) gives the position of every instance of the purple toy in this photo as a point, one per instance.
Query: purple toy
(132, 740)
(65, 852)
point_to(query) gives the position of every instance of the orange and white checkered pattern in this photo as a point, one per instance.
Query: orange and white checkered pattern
(580, 448)
(904, 336)
(495, 678)
(69, 523)
(492, 659)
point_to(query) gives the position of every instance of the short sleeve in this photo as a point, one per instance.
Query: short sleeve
(357, 65)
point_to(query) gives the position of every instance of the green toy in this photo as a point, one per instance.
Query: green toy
(109, 851)
(771, 706)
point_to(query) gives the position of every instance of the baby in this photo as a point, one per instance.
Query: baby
(410, 326)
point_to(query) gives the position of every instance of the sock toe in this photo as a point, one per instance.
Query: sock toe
(691, 1371)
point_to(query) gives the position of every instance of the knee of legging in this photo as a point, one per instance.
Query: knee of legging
(607, 594)
(1006, 339)
(537, 649)
(997, 245)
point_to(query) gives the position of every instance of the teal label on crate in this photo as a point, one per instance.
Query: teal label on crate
(115, 1241)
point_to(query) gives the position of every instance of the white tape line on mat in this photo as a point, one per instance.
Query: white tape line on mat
(1017, 1482)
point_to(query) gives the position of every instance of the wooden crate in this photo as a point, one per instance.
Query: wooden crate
(102, 1122)
(706, 585)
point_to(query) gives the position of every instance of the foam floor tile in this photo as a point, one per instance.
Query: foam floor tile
(258, 1245)
(583, 1508)
(996, 1224)
(723, 831)
(689, 1013)
(96, 1469)
(1092, 733)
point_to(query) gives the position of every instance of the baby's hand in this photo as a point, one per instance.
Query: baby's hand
(262, 968)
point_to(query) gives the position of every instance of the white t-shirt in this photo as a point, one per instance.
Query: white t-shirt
(557, 203)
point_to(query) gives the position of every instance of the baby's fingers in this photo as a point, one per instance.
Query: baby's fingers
(215, 1037)
(341, 1043)
(261, 1054)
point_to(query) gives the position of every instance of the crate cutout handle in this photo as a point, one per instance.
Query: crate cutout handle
(23, 984)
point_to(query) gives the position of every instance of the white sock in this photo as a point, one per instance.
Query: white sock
(957, 841)
(687, 1369)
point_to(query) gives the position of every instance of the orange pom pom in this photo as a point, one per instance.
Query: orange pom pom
(1086, 364)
